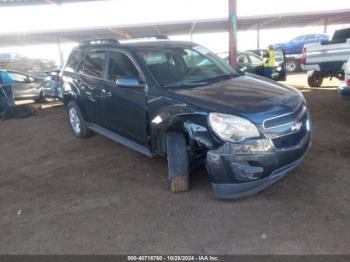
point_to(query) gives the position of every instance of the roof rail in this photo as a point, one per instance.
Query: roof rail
(160, 37)
(104, 41)
(145, 38)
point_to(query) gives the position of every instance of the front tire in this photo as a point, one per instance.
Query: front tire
(76, 121)
(314, 79)
(178, 162)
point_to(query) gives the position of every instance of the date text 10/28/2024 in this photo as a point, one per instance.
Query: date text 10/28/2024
(173, 258)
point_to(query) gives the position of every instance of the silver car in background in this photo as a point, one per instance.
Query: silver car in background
(38, 87)
(25, 86)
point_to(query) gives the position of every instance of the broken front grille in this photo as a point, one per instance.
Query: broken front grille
(290, 140)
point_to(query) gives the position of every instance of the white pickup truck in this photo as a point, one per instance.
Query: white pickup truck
(327, 59)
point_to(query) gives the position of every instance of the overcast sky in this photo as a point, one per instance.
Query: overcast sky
(118, 12)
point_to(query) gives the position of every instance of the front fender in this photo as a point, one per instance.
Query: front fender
(70, 89)
(175, 116)
(72, 93)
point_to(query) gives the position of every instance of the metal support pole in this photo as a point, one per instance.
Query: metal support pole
(191, 30)
(60, 52)
(325, 26)
(232, 6)
(257, 35)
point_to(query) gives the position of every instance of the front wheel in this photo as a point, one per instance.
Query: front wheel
(178, 163)
(76, 121)
(314, 79)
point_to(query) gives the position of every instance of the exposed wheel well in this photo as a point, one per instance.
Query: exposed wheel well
(162, 137)
(67, 99)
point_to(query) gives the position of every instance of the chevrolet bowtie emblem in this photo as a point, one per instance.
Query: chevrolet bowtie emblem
(297, 126)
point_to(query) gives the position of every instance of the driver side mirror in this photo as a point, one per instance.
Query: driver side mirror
(128, 82)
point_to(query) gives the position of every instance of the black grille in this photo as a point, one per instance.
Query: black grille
(285, 119)
(289, 140)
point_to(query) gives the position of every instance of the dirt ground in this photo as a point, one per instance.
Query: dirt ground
(62, 195)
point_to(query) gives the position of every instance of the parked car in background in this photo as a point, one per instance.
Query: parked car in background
(252, 63)
(180, 101)
(10, 57)
(327, 59)
(26, 86)
(53, 84)
(294, 49)
(344, 88)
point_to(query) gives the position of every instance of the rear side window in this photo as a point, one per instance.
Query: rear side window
(280, 56)
(94, 63)
(120, 65)
(255, 60)
(18, 77)
(73, 60)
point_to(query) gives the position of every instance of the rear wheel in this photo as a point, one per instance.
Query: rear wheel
(178, 163)
(76, 121)
(293, 66)
(41, 98)
(314, 79)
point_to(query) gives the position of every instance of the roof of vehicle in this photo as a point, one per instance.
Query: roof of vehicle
(130, 44)
(158, 43)
(314, 34)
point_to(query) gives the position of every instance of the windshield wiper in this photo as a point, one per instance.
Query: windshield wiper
(186, 84)
(219, 78)
(201, 82)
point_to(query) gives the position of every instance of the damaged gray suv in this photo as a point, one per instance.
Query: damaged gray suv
(180, 101)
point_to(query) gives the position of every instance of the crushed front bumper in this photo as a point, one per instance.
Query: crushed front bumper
(236, 176)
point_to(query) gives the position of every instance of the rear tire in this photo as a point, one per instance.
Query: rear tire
(314, 79)
(76, 121)
(41, 98)
(178, 163)
(293, 66)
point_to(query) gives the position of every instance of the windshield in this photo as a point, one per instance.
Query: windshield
(177, 66)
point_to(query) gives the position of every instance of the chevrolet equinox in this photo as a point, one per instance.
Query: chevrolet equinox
(181, 101)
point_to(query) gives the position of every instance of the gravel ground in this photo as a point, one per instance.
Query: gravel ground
(62, 195)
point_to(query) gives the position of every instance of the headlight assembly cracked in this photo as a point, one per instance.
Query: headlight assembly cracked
(232, 128)
(253, 146)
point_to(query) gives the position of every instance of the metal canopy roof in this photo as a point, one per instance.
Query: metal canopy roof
(178, 27)
(7, 3)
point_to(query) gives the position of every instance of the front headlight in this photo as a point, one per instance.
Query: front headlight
(232, 128)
